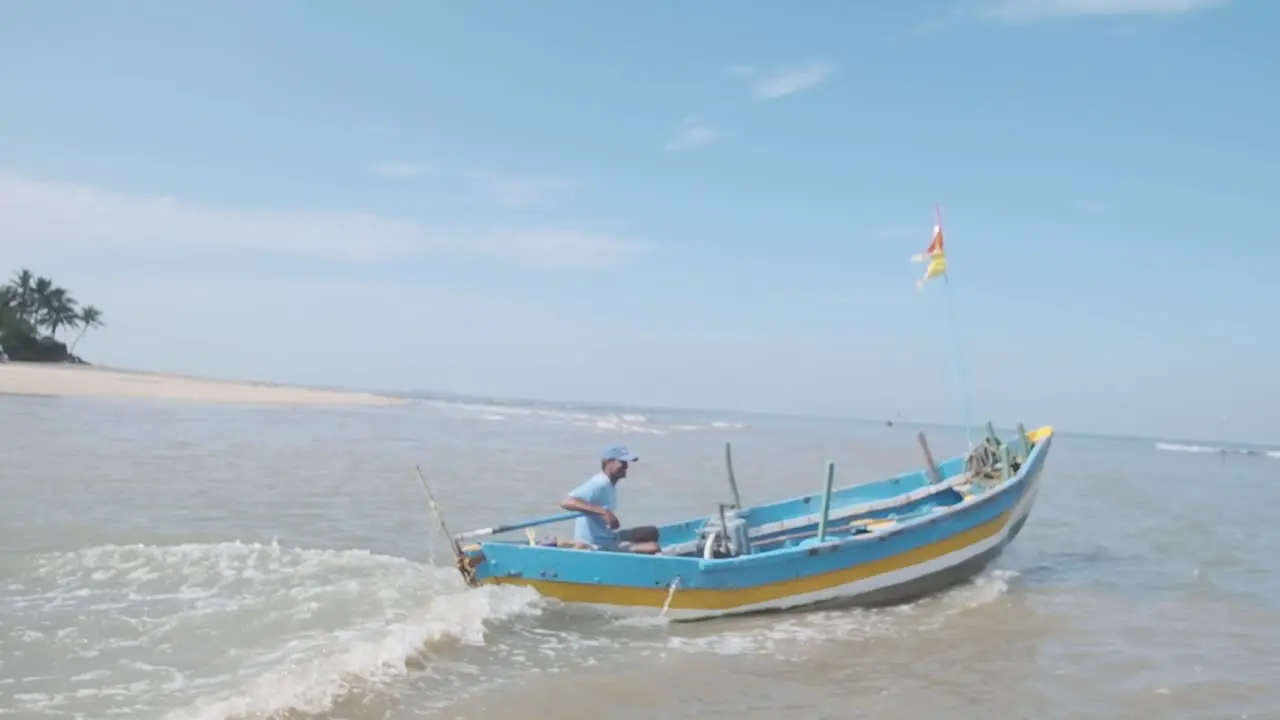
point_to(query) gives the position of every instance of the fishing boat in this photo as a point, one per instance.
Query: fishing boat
(878, 543)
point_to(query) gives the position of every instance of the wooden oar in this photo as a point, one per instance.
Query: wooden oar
(484, 532)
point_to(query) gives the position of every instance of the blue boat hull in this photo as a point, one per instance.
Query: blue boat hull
(885, 542)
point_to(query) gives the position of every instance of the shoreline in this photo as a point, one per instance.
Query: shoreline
(68, 380)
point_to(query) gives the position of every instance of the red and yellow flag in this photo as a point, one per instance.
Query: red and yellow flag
(935, 256)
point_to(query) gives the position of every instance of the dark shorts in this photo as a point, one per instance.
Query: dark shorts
(629, 536)
(639, 534)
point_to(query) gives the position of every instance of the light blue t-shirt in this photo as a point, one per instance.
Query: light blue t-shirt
(597, 490)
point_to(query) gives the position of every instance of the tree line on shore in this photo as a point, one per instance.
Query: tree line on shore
(33, 310)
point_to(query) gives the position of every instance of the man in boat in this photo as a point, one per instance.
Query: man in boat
(597, 500)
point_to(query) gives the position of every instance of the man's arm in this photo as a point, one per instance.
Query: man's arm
(580, 500)
(574, 504)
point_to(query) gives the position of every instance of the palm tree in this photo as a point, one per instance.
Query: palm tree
(8, 308)
(30, 304)
(90, 317)
(38, 301)
(23, 286)
(58, 310)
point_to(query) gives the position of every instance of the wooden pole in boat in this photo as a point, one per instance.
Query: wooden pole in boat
(1006, 462)
(826, 501)
(1026, 442)
(733, 481)
(934, 475)
(991, 433)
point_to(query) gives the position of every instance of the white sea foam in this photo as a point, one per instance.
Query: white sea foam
(239, 630)
(1177, 447)
(215, 631)
(598, 421)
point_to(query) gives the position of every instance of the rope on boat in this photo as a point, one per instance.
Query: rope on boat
(983, 461)
(671, 593)
(986, 461)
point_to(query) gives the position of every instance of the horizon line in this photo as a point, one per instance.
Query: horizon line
(426, 394)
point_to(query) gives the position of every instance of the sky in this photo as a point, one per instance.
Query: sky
(707, 205)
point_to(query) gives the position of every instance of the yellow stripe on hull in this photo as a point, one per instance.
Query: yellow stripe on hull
(728, 599)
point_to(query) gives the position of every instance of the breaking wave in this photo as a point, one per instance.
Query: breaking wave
(1179, 447)
(228, 630)
(599, 421)
(234, 630)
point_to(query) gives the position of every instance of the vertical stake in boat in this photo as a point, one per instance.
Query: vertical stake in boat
(733, 481)
(991, 434)
(934, 475)
(1026, 442)
(826, 501)
(1006, 462)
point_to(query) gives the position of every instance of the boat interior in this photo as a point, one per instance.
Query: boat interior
(835, 513)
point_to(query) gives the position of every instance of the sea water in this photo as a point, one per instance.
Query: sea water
(169, 560)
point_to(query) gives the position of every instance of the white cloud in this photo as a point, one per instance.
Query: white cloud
(523, 190)
(1026, 11)
(40, 218)
(694, 134)
(558, 248)
(784, 81)
(397, 168)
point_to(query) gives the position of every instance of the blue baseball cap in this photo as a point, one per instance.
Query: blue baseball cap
(619, 452)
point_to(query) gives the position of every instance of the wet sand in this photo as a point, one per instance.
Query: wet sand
(58, 380)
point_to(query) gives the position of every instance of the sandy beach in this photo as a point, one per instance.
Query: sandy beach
(58, 380)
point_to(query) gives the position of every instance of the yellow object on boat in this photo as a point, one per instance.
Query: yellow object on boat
(1040, 433)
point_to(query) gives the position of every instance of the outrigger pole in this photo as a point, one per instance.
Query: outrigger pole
(455, 541)
(435, 509)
